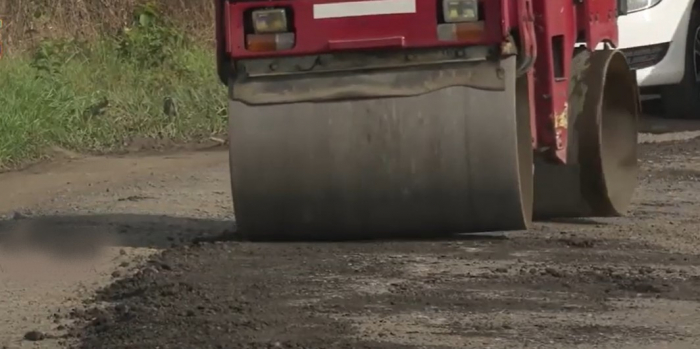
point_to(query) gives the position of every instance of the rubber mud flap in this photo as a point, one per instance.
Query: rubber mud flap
(449, 161)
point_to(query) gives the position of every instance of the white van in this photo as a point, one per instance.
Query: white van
(661, 39)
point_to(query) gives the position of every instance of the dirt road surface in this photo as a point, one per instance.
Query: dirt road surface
(138, 252)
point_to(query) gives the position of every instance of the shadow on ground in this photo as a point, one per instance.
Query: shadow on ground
(86, 234)
(655, 120)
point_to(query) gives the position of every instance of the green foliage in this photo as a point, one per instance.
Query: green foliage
(50, 56)
(149, 81)
(151, 40)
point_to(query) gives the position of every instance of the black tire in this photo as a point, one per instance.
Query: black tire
(682, 101)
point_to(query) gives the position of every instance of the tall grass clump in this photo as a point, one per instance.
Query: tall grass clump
(147, 81)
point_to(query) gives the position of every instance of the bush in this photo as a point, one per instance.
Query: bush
(151, 41)
(148, 81)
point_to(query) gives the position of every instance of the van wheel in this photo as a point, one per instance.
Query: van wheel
(683, 100)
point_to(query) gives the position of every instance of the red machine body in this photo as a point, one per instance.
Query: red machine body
(546, 32)
(368, 118)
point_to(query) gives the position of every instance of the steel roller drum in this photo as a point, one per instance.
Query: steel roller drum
(454, 160)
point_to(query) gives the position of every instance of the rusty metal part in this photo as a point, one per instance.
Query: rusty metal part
(363, 75)
(409, 82)
(362, 60)
(603, 110)
(453, 160)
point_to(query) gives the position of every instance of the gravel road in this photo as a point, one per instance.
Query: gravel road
(136, 252)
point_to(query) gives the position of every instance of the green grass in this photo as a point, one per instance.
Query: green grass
(93, 97)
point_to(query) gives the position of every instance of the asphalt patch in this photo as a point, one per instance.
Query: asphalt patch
(251, 295)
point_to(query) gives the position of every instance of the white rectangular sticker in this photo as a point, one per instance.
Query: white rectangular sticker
(364, 8)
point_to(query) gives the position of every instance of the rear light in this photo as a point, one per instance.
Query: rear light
(270, 42)
(460, 20)
(473, 31)
(269, 21)
(460, 10)
(269, 30)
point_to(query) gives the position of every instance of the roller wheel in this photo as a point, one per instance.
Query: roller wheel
(601, 175)
(450, 161)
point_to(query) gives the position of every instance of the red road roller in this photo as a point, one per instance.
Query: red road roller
(386, 118)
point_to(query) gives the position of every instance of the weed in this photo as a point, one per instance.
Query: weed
(151, 41)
